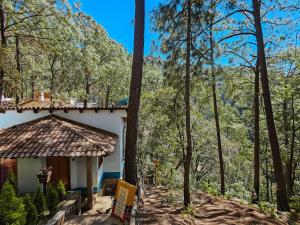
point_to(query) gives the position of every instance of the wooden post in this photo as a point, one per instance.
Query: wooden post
(89, 182)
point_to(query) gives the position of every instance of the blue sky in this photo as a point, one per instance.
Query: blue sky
(116, 16)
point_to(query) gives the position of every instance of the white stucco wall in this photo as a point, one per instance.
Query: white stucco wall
(26, 172)
(11, 117)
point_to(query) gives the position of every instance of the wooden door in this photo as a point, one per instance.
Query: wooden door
(60, 170)
(7, 165)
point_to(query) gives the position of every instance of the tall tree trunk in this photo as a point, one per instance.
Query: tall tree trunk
(32, 84)
(18, 68)
(107, 95)
(291, 158)
(278, 169)
(3, 43)
(216, 112)
(87, 91)
(135, 93)
(256, 134)
(188, 154)
(52, 85)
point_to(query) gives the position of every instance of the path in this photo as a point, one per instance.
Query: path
(99, 215)
(209, 211)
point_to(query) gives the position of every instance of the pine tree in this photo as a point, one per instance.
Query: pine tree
(61, 190)
(51, 199)
(39, 201)
(32, 216)
(12, 209)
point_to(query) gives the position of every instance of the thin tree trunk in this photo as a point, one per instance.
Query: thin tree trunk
(3, 43)
(290, 188)
(87, 91)
(135, 93)
(256, 134)
(32, 86)
(52, 81)
(278, 169)
(107, 96)
(216, 113)
(18, 67)
(188, 154)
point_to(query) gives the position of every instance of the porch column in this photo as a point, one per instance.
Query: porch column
(89, 182)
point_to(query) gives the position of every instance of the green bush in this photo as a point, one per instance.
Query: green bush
(12, 210)
(295, 203)
(32, 215)
(267, 208)
(210, 188)
(51, 199)
(12, 180)
(238, 190)
(39, 201)
(61, 190)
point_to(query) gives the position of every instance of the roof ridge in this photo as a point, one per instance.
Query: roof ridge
(79, 124)
(64, 123)
(53, 135)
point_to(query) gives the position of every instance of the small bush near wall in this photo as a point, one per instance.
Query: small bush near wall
(51, 199)
(61, 190)
(12, 208)
(12, 179)
(32, 215)
(39, 201)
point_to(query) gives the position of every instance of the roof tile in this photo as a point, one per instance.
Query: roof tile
(55, 136)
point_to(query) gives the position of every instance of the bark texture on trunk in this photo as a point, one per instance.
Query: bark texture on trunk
(135, 93)
(216, 112)
(256, 134)
(18, 67)
(3, 43)
(188, 154)
(277, 162)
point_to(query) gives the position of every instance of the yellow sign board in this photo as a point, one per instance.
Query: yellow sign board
(123, 203)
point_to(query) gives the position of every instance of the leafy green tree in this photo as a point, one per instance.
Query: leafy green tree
(12, 209)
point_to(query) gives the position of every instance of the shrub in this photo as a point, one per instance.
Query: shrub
(12, 180)
(51, 199)
(238, 190)
(295, 203)
(210, 188)
(32, 215)
(12, 209)
(267, 208)
(61, 190)
(39, 201)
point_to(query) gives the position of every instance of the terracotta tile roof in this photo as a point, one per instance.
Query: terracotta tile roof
(52, 109)
(55, 136)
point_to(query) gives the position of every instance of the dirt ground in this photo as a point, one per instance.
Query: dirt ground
(209, 210)
(99, 215)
